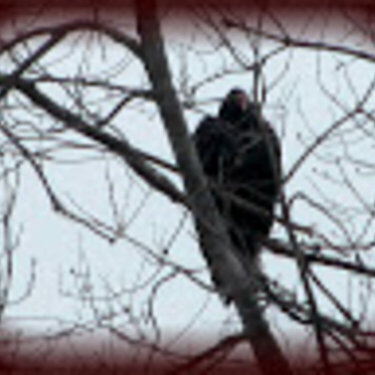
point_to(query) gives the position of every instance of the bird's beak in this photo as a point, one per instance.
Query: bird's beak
(243, 101)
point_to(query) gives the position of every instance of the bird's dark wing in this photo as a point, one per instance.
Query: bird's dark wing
(215, 146)
(258, 156)
(254, 176)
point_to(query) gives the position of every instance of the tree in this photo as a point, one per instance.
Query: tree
(49, 116)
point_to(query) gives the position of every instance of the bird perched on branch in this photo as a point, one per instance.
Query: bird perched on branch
(241, 156)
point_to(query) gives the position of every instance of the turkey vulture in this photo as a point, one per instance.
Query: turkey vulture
(241, 156)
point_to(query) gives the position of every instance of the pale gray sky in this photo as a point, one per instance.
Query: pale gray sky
(297, 107)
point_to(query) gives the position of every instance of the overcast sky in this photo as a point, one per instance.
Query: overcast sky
(64, 253)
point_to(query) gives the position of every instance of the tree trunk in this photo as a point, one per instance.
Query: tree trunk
(213, 236)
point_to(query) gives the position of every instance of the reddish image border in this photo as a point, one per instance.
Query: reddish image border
(10, 8)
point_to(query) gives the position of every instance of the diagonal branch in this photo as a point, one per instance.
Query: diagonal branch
(57, 205)
(289, 41)
(303, 268)
(63, 29)
(277, 247)
(119, 147)
(222, 347)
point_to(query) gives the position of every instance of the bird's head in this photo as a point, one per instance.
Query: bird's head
(235, 105)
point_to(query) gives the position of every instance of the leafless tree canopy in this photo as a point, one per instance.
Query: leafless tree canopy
(96, 161)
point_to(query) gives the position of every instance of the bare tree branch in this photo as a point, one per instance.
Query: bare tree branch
(289, 41)
(119, 147)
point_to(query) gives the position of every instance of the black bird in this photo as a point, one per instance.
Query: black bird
(241, 155)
